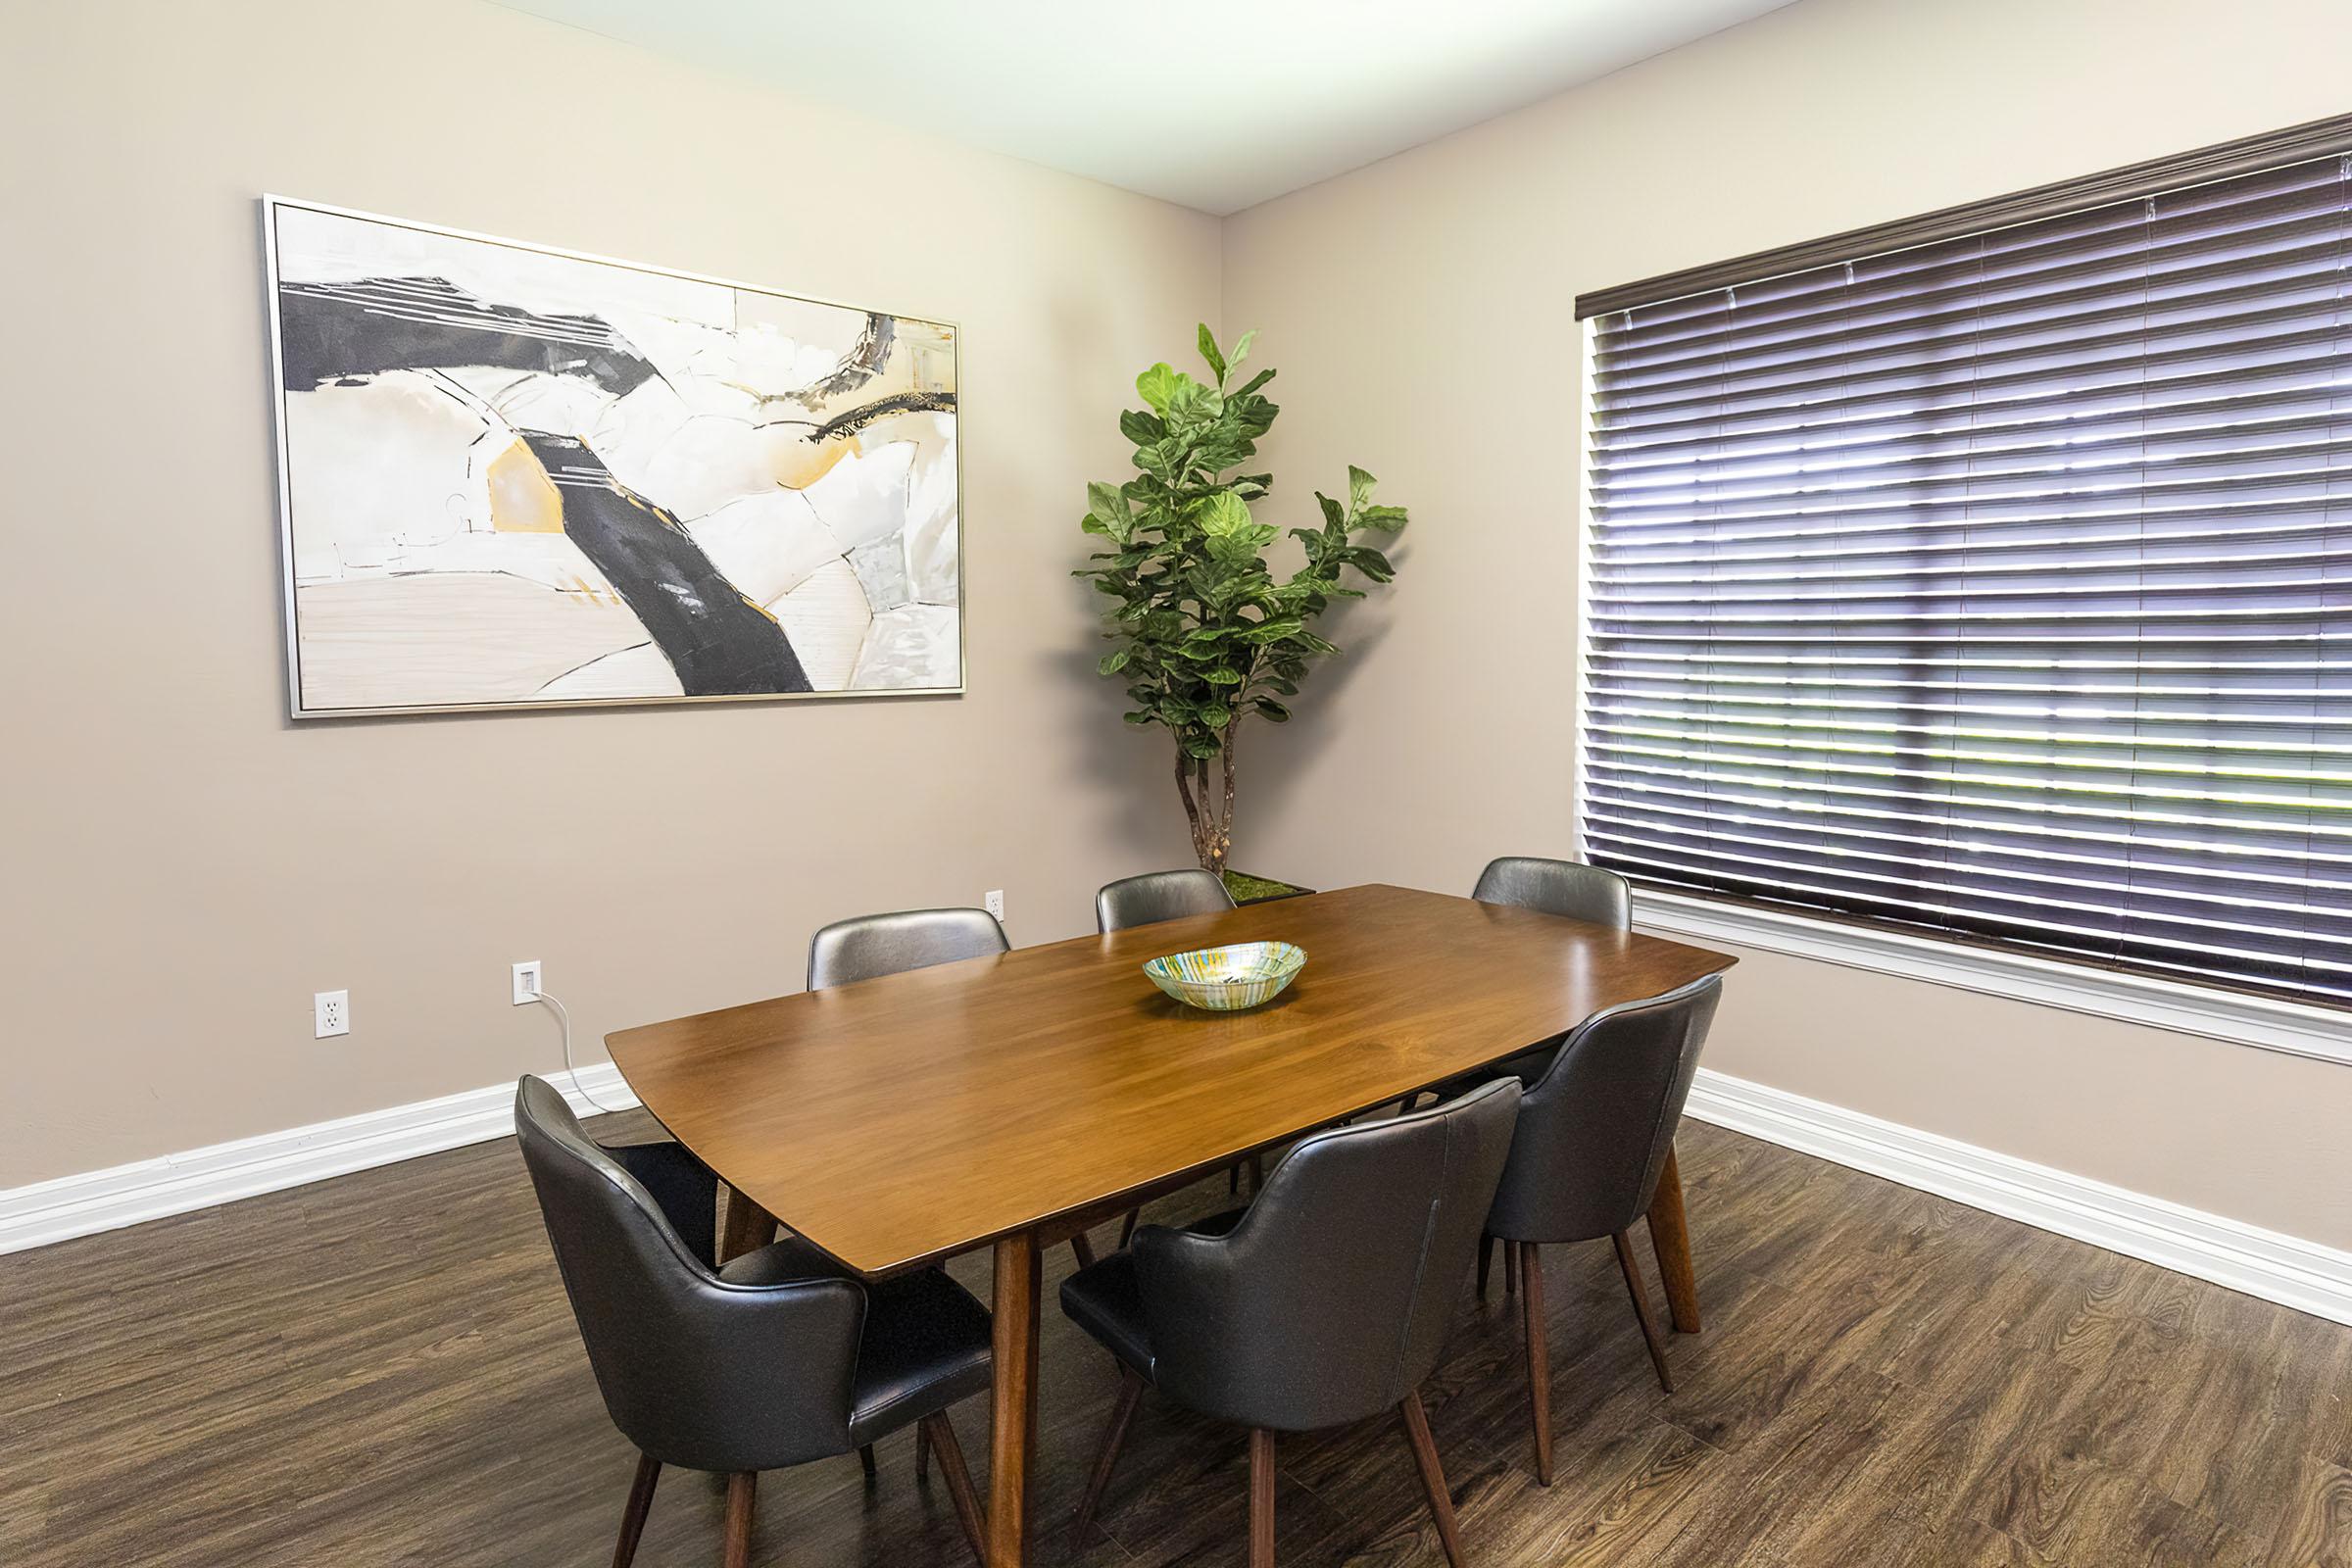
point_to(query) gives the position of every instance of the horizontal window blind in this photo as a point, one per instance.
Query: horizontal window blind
(1999, 587)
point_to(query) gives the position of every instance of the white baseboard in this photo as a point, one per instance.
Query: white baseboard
(2285, 1269)
(2295, 1273)
(179, 1184)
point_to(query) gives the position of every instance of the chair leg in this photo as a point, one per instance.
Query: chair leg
(743, 1495)
(1432, 1475)
(1258, 1174)
(942, 1434)
(1510, 1268)
(1650, 1325)
(641, 1503)
(922, 1452)
(1486, 1262)
(1261, 1498)
(1232, 1181)
(1670, 1237)
(1127, 1231)
(1082, 1248)
(1539, 1353)
(1114, 1437)
(865, 1463)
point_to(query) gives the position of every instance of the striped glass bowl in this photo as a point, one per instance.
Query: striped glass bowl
(1228, 979)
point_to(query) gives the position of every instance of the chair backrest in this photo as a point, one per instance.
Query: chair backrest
(1596, 1129)
(1160, 896)
(1330, 1300)
(1566, 888)
(693, 1370)
(874, 945)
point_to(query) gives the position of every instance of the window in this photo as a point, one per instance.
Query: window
(1990, 575)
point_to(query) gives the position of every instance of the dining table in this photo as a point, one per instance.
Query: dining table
(1014, 1101)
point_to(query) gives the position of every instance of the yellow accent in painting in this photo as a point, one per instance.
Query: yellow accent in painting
(523, 499)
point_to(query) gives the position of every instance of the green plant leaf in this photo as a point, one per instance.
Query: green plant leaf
(1159, 385)
(1223, 513)
(1107, 505)
(1267, 631)
(1241, 349)
(1140, 427)
(1208, 352)
(1360, 487)
(1112, 662)
(1272, 710)
(1194, 402)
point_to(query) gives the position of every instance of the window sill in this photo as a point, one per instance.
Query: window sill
(2272, 1024)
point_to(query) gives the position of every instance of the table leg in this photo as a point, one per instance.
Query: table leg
(1013, 1432)
(747, 1229)
(1670, 1238)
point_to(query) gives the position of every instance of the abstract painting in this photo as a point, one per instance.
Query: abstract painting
(514, 476)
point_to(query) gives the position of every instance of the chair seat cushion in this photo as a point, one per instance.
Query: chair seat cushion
(1105, 1301)
(925, 1342)
(926, 1345)
(1108, 1302)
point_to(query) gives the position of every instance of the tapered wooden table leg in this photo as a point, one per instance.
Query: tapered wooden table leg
(747, 1228)
(1012, 1433)
(1670, 1239)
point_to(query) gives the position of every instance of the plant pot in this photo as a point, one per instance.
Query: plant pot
(1246, 889)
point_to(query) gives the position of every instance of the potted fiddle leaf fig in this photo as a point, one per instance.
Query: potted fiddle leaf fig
(1205, 632)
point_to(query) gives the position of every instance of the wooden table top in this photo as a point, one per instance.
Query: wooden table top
(900, 1120)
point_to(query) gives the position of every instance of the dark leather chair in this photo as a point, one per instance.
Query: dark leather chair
(874, 945)
(776, 1360)
(1593, 1138)
(1158, 896)
(1326, 1301)
(1568, 889)
(1565, 888)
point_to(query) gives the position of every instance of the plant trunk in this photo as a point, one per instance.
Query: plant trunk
(1207, 809)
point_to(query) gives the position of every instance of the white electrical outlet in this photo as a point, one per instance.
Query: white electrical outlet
(527, 982)
(996, 902)
(330, 1012)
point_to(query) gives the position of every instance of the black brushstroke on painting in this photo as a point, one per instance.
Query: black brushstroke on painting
(865, 360)
(852, 420)
(329, 331)
(719, 643)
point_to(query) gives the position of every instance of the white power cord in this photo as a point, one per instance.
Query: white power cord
(569, 1071)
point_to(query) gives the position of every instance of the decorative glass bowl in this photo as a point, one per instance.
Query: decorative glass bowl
(1228, 979)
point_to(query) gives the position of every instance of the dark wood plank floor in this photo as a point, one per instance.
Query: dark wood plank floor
(381, 1370)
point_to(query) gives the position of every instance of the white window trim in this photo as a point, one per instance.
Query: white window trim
(2270, 1023)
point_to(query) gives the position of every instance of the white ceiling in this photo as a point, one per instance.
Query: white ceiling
(1216, 104)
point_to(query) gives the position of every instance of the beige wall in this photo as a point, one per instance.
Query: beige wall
(1421, 313)
(183, 869)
